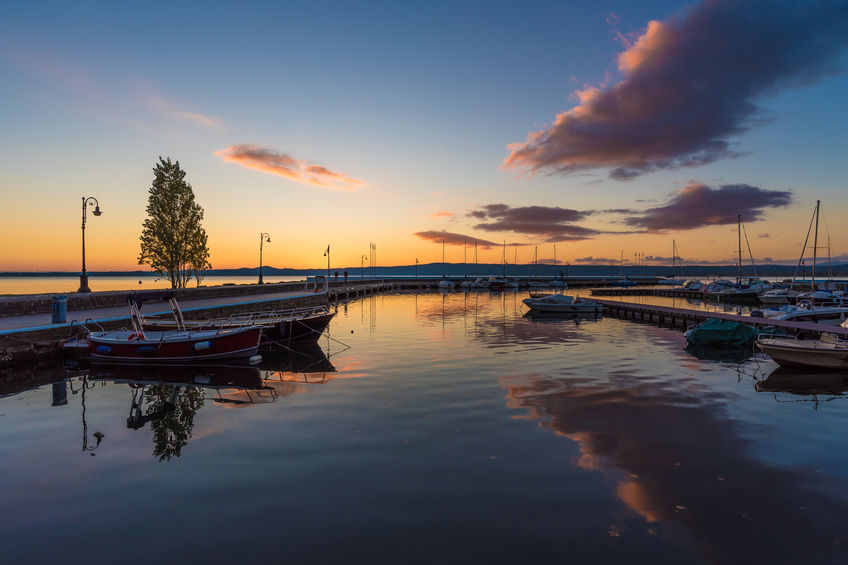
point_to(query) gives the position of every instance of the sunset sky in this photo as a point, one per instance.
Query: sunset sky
(603, 128)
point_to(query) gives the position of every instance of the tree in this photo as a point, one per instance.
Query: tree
(173, 241)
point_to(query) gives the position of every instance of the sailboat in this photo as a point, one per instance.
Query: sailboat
(672, 280)
(819, 306)
(745, 289)
(622, 280)
(444, 284)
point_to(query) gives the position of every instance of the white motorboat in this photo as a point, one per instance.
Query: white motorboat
(828, 352)
(693, 285)
(806, 312)
(779, 296)
(445, 284)
(561, 303)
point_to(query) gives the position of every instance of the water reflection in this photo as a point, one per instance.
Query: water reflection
(682, 465)
(809, 384)
(722, 353)
(167, 398)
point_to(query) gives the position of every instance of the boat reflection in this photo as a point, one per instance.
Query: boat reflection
(803, 381)
(554, 317)
(167, 398)
(722, 353)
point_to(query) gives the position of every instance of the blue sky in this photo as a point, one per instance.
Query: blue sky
(417, 101)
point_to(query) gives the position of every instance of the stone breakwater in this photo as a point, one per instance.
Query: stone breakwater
(23, 305)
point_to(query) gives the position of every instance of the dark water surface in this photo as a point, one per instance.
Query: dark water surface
(453, 429)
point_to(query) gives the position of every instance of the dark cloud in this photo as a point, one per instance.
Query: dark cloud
(454, 239)
(549, 223)
(699, 205)
(596, 260)
(690, 83)
(764, 235)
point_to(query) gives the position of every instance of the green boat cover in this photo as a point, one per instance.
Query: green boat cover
(721, 332)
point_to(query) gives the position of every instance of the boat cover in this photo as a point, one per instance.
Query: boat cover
(721, 332)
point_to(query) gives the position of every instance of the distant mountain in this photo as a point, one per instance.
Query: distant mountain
(485, 269)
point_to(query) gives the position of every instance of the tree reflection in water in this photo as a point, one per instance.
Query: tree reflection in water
(170, 411)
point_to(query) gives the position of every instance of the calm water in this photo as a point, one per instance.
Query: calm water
(452, 430)
(60, 284)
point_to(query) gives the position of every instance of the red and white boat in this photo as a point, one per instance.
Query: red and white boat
(178, 345)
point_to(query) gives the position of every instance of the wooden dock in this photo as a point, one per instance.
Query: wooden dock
(681, 318)
(668, 292)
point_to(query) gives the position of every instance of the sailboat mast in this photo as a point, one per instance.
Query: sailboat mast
(503, 262)
(739, 234)
(815, 249)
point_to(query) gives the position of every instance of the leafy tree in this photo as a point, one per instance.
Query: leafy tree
(173, 241)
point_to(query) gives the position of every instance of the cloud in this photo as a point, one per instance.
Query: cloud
(596, 260)
(690, 84)
(550, 223)
(120, 98)
(454, 239)
(269, 161)
(764, 236)
(699, 205)
(442, 214)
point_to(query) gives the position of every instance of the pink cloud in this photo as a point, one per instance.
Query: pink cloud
(689, 84)
(280, 164)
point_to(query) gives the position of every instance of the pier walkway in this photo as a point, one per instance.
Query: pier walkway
(42, 321)
(681, 318)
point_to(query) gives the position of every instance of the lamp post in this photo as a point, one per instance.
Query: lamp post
(362, 266)
(85, 202)
(263, 237)
(416, 267)
(327, 255)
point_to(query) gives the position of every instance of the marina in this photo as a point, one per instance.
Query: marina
(605, 438)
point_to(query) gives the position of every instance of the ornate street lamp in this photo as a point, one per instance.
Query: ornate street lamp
(263, 237)
(362, 266)
(86, 201)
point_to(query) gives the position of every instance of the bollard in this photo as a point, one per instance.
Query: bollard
(60, 309)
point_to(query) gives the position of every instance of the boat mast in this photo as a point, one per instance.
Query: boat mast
(503, 262)
(673, 255)
(815, 249)
(739, 234)
(443, 258)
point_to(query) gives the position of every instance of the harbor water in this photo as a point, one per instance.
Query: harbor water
(431, 428)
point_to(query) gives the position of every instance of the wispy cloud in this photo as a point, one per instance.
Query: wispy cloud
(549, 223)
(690, 84)
(119, 97)
(699, 205)
(280, 164)
(442, 214)
(450, 238)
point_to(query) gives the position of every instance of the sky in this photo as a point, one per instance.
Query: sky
(595, 131)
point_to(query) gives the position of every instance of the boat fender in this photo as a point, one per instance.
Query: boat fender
(146, 350)
(202, 345)
(103, 350)
(133, 336)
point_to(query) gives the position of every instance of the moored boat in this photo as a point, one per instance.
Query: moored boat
(828, 352)
(173, 346)
(717, 332)
(288, 325)
(560, 303)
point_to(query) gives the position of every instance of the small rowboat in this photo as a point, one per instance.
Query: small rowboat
(277, 325)
(174, 346)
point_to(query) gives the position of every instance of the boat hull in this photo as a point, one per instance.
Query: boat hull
(813, 353)
(310, 327)
(174, 347)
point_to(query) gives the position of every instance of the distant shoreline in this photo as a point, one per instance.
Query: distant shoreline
(470, 269)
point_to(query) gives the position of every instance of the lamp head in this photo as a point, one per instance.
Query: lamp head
(97, 211)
